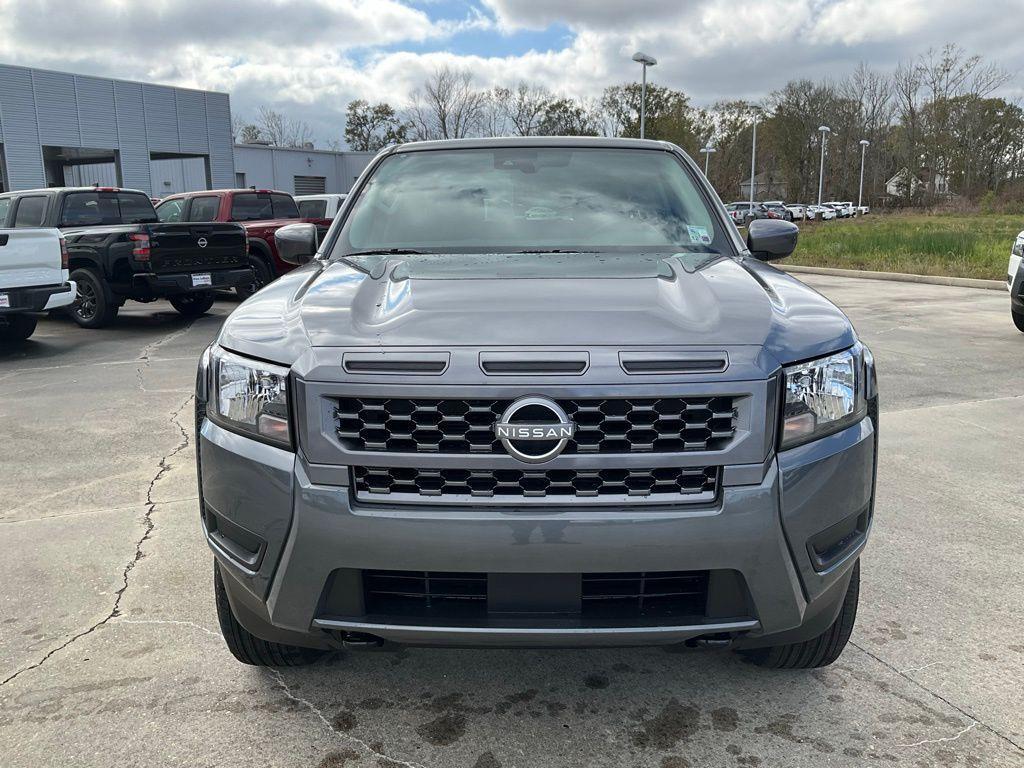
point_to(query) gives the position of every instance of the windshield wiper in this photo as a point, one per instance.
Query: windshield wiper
(385, 252)
(554, 250)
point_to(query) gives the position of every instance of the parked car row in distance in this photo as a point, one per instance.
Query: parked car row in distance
(118, 249)
(742, 213)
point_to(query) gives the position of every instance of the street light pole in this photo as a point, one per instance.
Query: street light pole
(825, 130)
(645, 61)
(753, 162)
(707, 151)
(864, 143)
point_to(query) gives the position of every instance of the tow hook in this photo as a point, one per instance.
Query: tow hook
(361, 641)
(710, 641)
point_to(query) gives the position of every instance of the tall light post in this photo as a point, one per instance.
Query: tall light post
(825, 131)
(707, 152)
(645, 61)
(864, 144)
(753, 158)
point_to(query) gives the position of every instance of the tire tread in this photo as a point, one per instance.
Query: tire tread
(246, 647)
(819, 651)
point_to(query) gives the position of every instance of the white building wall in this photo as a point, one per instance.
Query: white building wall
(276, 167)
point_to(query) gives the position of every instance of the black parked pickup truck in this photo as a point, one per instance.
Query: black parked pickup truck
(119, 250)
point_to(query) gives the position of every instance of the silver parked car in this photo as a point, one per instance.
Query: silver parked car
(537, 392)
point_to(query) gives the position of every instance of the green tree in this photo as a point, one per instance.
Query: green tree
(372, 127)
(567, 117)
(668, 114)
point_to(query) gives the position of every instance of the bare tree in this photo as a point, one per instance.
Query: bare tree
(447, 106)
(524, 107)
(282, 131)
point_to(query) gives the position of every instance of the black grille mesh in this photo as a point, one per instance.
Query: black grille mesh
(511, 483)
(633, 425)
(604, 596)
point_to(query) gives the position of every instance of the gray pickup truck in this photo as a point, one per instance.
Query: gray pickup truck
(537, 392)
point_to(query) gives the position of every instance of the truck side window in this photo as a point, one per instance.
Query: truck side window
(5, 206)
(204, 208)
(170, 211)
(30, 211)
(313, 209)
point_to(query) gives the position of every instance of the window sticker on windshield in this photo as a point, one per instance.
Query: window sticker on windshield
(698, 234)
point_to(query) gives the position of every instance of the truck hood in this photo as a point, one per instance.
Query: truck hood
(567, 300)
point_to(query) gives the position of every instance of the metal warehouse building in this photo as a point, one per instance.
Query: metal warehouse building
(58, 128)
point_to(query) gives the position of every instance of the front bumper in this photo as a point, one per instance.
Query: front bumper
(1015, 285)
(178, 283)
(39, 298)
(281, 538)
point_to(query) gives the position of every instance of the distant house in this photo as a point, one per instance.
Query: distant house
(924, 182)
(766, 187)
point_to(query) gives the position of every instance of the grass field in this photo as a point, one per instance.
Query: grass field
(958, 245)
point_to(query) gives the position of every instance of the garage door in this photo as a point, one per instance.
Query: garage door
(310, 185)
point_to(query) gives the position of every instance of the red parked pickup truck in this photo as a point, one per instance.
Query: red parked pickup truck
(261, 211)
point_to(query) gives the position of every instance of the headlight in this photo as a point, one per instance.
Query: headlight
(822, 396)
(1018, 247)
(250, 397)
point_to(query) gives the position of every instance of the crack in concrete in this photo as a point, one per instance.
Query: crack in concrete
(327, 723)
(974, 720)
(943, 740)
(147, 519)
(145, 356)
(170, 622)
(4, 519)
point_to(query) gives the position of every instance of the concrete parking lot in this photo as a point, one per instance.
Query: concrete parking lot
(110, 655)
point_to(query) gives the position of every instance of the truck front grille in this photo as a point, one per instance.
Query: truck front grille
(668, 484)
(660, 594)
(617, 425)
(602, 597)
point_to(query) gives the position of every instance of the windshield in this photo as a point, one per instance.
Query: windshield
(513, 200)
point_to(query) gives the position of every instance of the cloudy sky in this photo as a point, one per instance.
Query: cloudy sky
(308, 58)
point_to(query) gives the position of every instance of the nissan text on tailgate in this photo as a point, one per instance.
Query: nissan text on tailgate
(119, 250)
(537, 392)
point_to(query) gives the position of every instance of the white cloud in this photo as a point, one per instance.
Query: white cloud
(311, 58)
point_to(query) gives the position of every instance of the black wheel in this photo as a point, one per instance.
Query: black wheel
(94, 305)
(1018, 319)
(193, 304)
(16, 327)
(819, 651)
(262, 274)
(248, 648)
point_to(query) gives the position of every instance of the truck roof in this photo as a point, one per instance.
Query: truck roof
(596, 142)
(242, 190)
(56, 190)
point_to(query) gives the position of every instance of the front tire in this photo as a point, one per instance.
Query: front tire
(193, 304)
(819, 651)
(246, 647)
(16, 327)
(1018, 319)
(94, 305)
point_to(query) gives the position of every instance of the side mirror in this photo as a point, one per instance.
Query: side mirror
(296, 243)
(771, 239)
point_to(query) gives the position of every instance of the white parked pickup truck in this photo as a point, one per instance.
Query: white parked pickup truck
(33, 278)
(319, 206)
